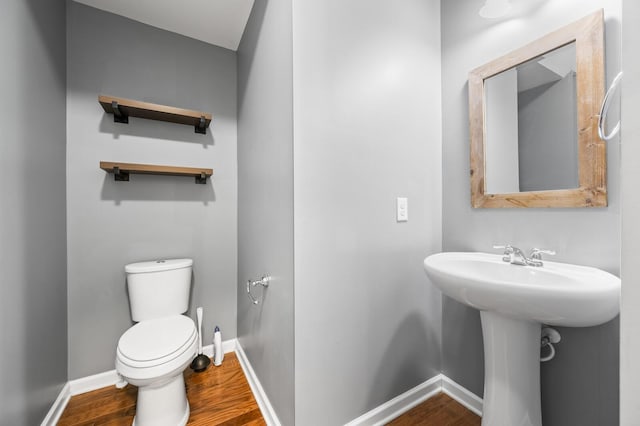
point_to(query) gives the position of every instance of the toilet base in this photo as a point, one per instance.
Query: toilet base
(163, 405)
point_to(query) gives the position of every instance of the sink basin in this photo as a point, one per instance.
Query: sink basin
(555, 294)
(514, 301)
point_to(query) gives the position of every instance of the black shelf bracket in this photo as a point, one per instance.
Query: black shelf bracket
(119, 175)
(118, 116)
(201, 127)
(202, 179)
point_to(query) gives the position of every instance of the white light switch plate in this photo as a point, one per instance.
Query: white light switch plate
(402, 209)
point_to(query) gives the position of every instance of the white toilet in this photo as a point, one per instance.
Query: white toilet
(154, 353)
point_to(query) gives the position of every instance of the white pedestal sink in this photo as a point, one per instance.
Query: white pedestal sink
(514, 301)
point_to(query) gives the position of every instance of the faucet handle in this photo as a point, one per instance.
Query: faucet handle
(508, 251)
(537, 253)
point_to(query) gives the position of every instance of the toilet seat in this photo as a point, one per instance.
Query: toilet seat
(156, 342)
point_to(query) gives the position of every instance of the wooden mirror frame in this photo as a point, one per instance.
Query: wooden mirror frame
(588, 34)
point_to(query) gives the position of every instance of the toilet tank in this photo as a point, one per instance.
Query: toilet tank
(158, 288)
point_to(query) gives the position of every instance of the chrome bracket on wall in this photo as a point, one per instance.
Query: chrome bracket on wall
(118, 116)
(201, 127)
(264, 282)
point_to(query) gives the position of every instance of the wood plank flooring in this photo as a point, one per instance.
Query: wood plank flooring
(440, 410)
(221, 396)
(217, 396)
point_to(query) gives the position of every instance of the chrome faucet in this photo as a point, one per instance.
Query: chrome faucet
(515, 256)
(535, 258)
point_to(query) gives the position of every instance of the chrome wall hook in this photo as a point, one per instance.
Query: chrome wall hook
(264, 282)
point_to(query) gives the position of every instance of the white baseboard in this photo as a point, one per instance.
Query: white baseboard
(406, 401)
(470, 400)
(93, 382)
(378, 416)
(58, 407)
(400, 404)
(110, 378)
(102, 380)
(227, 347)
(266, 408)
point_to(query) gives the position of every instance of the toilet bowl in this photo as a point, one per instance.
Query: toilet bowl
(154, 353)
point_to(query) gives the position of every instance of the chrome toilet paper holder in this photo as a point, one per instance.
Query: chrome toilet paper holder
(264, 282)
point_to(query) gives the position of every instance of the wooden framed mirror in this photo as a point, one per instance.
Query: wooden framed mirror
(533, 117)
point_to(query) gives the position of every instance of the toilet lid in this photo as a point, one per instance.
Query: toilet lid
(158, 338)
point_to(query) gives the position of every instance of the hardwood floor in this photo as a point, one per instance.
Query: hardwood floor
(221, 396)
(217, 396)
(439, 410)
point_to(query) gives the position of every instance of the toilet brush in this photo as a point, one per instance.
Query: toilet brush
(200, 362)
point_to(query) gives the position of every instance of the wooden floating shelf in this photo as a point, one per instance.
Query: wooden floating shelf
(121, 171)
(122, 109)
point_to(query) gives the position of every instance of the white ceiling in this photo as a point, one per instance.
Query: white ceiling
(218, 22)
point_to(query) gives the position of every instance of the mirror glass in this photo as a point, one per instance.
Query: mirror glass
(531, 125)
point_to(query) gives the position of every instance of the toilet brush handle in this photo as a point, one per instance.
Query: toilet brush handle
(199, 315)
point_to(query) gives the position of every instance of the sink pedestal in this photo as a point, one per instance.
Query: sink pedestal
(511, 371)
(557, 294)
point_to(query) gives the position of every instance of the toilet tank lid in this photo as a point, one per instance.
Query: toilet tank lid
(157, 265)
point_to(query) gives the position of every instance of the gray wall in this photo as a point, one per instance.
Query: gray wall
(112, 223)
(547, 137)
(33, 287)
(265, 199)
(366, 130)
(630, 312)
(580, 386)
(501, 132)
